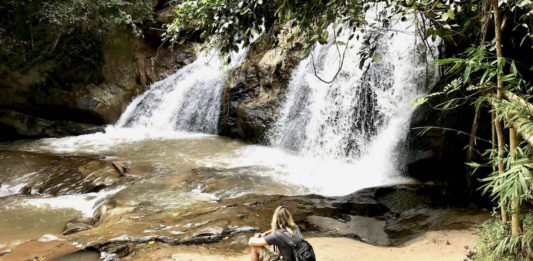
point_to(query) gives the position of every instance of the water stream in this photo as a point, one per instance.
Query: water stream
(330, 139)
(362, 116)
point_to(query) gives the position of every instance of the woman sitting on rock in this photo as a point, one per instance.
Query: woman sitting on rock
(282, 221)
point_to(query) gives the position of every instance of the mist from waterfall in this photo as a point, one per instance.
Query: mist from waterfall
(361, 117)
(188, 100)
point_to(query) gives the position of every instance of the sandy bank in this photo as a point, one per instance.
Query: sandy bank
(445, 245)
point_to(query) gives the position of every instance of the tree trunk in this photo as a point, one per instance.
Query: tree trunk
(497, 123)
(499, 161)
(515, 203)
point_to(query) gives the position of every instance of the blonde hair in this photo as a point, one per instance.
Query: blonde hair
(282, 219)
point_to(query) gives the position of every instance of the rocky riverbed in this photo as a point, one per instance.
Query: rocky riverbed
(124, 223)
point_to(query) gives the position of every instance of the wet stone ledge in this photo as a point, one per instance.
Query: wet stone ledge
(31, 173)
(384, 216)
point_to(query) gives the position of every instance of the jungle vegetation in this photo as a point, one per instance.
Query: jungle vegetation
(53, 33)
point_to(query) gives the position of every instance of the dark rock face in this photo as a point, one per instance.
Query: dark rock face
(439, 154)
(85, 80)
(252, 95)
(19, 125)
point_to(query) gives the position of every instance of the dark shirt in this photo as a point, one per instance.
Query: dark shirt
(284, 248)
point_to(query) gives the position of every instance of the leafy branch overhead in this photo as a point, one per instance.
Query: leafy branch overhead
(229, 24)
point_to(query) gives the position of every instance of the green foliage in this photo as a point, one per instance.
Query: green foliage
(30, 30)
(516, 182)
(496, 244)
(477, 72)
(228, 24)
(102, 15)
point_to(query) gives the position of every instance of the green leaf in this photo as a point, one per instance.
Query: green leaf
(451, 14)
(513, 68)
(448, 60)
(508, 78)
(473, 164)
(466, 75)
(501, 64)
(291, 38)
(420, 101)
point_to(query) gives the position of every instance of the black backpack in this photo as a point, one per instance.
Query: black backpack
(303, 251)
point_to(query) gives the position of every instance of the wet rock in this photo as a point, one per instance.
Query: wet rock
(438, 154)
(75, 227)
(26, 190)
(28, 126)
(252, 96)
(119, 249)
(5, 252)
(368, 229)
(56, 175)
(121, 167)
(49, 250)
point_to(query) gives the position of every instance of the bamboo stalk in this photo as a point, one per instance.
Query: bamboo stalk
(497, 123)
(515, 203)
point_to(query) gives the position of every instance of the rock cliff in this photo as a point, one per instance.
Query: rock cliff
(86, 81)
(253, 93)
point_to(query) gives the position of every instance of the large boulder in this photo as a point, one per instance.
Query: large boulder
(253, 93)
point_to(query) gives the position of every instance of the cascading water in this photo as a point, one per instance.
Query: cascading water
(188, 100)
(362, 116)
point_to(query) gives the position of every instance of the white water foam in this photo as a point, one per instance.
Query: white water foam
(87, 204)
(8, 190)
(103, 142)
(319, 176)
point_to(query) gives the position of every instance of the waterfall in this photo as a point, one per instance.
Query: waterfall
(188, 100)
(363, 115)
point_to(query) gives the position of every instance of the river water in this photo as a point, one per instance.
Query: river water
(214, 168)
(331, 139)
